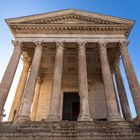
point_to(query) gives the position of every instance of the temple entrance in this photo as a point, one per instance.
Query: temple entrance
(71, 106)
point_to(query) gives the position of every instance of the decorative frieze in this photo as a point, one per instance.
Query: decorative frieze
(75, 28)
(71, 18)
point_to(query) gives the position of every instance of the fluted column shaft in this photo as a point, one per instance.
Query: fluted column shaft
(112, 108)
(24, 113)
(9, 74)
(115, 94)
(83, 84)
(131, 77)
(56, 85)
(20, 90)
(36, 99)
(122, 94)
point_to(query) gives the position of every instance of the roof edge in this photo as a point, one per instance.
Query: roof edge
(10, 20)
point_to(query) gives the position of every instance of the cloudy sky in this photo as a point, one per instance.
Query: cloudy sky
(15, 8)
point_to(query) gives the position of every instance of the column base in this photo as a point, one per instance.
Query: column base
(22, 120)
(115, 118)
(128, 117)
(137, 121)
(53, 118)
(84, 118)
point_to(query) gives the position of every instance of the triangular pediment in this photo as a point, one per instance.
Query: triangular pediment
(69, 16)
(70, 21)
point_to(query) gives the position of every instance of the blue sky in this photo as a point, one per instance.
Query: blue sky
(121, 8)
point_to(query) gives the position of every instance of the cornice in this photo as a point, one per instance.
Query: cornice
(70, 18)
(70, 28)
(68, 12)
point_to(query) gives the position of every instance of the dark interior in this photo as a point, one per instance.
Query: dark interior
(71, 106)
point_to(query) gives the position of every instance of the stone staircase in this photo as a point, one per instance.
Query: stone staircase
(96, 130)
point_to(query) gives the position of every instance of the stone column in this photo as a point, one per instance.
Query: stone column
(115, 92)
(9, 74)
(131, 77)
(24, 114)
(20, 89)
(83, 84)
(112, 108)
(122, 93)
(36, 99)
(56, 85)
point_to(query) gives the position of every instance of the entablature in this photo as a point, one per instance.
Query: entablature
(70, 38)
(70, 28)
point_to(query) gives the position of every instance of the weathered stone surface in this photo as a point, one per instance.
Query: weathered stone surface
(84, 114)
(97, 100)
(44, 99)
(96, 95)
(112, 107)
(24, 112)
(9, 74)
(56, 84)
(122, 94)
(36, 99)
(131, 77)
(97, 130)
(61, 70)
(20, 90)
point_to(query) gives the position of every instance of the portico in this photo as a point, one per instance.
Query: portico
(70, 51)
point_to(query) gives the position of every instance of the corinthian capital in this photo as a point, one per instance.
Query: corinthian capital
(26, 60)
(39, 43)
(124, 43)
(102, 45)
(17, 43)
(60, 44)
(81, 44)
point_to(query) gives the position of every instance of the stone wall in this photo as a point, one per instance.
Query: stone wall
(97, 130)
(97, 99)
(44, 100)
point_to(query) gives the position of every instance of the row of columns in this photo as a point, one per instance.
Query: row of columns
(112, 107)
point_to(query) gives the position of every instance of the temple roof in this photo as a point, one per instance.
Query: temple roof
(70, 21)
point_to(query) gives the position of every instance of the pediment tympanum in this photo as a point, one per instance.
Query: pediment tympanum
(70, 20)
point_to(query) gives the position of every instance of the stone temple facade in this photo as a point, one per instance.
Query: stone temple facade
(71, 64)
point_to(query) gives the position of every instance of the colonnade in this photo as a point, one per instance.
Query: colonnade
(30, 79)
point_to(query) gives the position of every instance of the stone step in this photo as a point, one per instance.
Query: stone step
(70, 131)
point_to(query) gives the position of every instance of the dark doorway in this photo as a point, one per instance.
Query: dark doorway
(71, 106)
